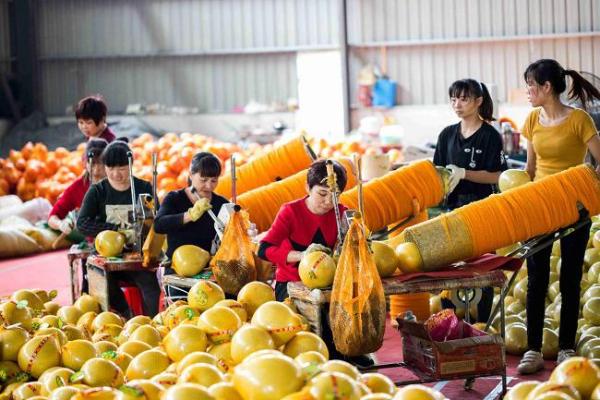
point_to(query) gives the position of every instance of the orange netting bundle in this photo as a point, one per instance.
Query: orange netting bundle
(263, 203)
(277, 164)
(519, 214)
(392, 197)
(233, 265)
(357, 313)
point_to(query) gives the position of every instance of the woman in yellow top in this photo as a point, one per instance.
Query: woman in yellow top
(558, 137)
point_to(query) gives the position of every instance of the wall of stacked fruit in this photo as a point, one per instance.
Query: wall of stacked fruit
(35, 171)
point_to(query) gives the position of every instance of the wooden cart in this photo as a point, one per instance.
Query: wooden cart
(77, 259)
(310, 304)
(100, 271)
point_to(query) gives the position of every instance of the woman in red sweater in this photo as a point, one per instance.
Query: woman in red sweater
(72, 197)
(300, 224)
(305, 225)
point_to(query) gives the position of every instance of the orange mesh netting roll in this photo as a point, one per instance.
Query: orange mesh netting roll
(519, 214)
(390, 198)
(279, 163)
(263, 203)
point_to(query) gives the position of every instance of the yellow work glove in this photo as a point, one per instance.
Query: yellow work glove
(199, 208)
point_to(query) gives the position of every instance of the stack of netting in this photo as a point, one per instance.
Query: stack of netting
(263, 203)
(281, 162)
(392, 197)
(500, 220)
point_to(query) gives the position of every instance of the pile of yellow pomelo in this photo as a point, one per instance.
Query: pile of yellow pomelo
(207, 347)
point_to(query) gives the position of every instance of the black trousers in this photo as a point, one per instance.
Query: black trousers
(145, 281)
(572, 249)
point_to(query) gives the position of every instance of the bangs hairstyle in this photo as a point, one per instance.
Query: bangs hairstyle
(94, 149)
(92, 107)
(115, 154)
(317, 174)
(472, 89)
(206, 164)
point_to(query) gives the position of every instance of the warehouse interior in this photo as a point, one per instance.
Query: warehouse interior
(300, 199)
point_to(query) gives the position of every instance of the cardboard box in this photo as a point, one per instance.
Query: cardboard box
(461, 358)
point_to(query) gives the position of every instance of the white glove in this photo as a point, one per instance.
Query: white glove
(316, 247)
(129, 235)
(456, 174)
(252, 231)
(66, 226)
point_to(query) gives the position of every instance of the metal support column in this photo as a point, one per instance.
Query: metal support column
(23, 51)
(344, 50)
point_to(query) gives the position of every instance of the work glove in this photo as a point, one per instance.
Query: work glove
(316, 247)
(129, 235)
(252, 231)
(66, 226)
(456, 174)
(199, 208)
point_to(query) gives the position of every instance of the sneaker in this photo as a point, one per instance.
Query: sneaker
(531, 363)
(565, 354)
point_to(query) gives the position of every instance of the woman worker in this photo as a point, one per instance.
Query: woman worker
(305, 225)
(90, 114)
(72, 197)
(182, 215)
(558, 137)
(472, 150)
(107, 206)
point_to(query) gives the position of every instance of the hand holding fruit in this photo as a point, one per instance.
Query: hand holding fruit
(457, 173)
(316, 247)
(199, 208)
(66, 225)
(129, 235)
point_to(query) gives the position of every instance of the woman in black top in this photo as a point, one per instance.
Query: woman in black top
(182, 215)
(106, 206)
(472, 150)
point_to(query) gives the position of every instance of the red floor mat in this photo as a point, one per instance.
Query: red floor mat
(41, 271)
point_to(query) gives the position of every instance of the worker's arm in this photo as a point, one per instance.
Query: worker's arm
(169, 217)
(594, 148)
(531, 160)
(88, 222)
(275, 246)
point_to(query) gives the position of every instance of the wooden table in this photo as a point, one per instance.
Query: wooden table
(101, 268)
(77, 259)
(310, 303)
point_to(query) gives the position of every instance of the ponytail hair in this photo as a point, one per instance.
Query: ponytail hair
(474, 89)
(548, 70)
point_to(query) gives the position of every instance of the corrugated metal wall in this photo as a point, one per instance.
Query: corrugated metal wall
(4, 37)
(213, 54)
(431, 43)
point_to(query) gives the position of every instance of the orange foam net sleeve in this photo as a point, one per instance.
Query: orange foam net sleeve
(264, 203)
(519, 214)
(391, 197)
(281, 162)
